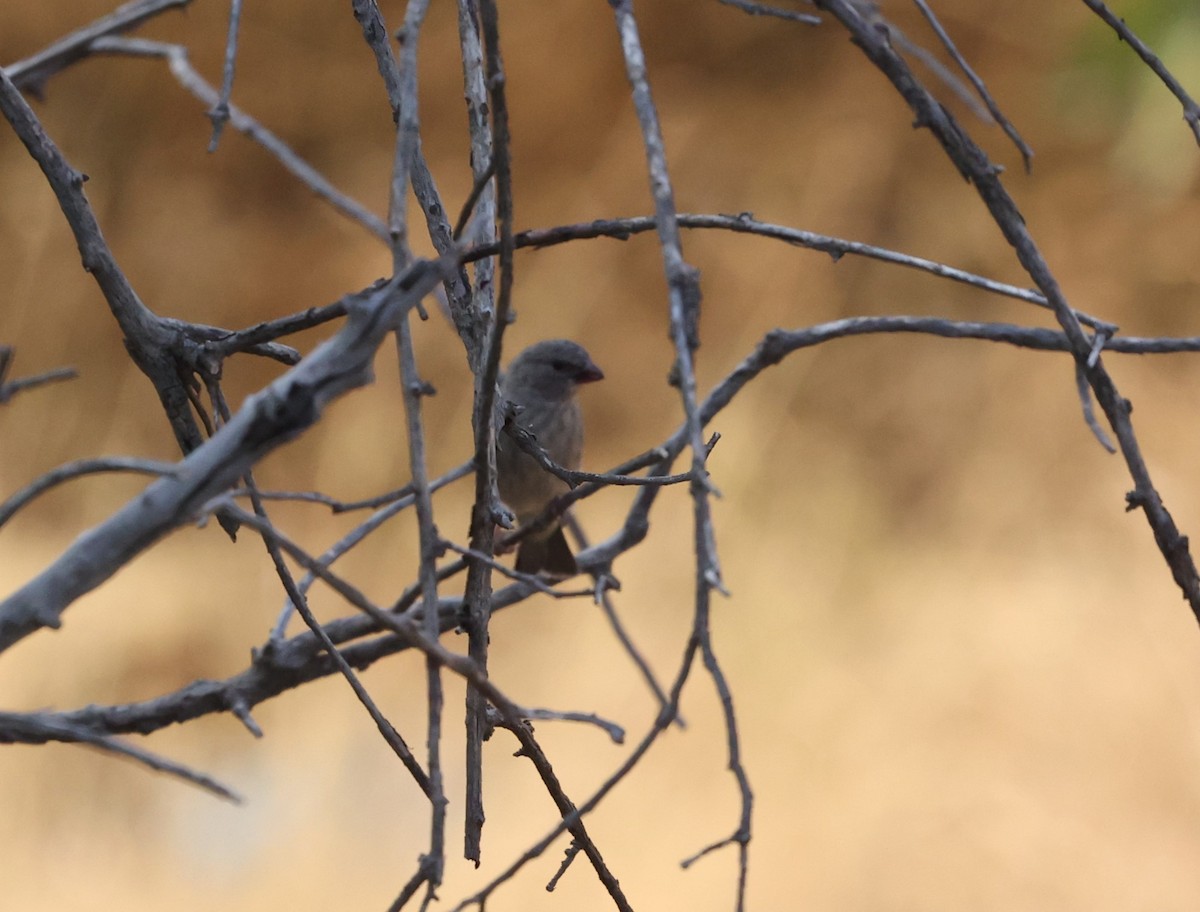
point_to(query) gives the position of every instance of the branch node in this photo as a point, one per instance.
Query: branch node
(423, 388)
(569, 854)
(713, 578)
(241, 710)
(1099, 340)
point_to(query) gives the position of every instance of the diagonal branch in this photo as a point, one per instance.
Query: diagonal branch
(1191, 110)
(40, 728)
(147, 339)
(975, 167)
(31, 74)
(276, 414)
(993, 108)
(186, 75)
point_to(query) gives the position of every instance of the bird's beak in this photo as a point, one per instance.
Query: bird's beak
(589, 374)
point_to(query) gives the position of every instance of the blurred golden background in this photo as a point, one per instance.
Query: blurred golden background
(963, 674)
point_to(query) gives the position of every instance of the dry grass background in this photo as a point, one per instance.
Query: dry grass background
(964, 676)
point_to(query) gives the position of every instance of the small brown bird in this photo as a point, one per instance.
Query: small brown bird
(542, 381)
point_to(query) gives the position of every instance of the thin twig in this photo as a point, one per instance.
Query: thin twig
(457, 287)
(1191, 110)
(975, 167)
(763, 9)
(569, 855)
(483, 419)
(476, 318)
(30, 75)
(993, 108)
(337, 505)
(535, 583)
(612, 729)
(390, 735)
(683, 288)
(604, 599)
(40, 728)
(393, 506)
(219, 113)
(465, 217)
(11, 388)
(408, 628)
(408, 132)
(433, 863)
(745, 223)
(1089, 413)
(931, 62)
(274, 415)
(78, 469)
(528, 443)
(661, 723)
(185, 74)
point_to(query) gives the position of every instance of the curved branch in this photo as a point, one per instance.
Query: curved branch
(624, 228)
(78, 469)
(40, 728)
(976, 168)
(30, 75)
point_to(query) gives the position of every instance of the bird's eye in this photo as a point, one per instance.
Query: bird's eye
(561, 366)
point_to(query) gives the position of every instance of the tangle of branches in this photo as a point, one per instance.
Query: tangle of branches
(221, 448)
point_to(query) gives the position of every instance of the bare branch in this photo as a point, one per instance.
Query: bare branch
(661, 723)
(393, 738)
(458, 290)
(1089, 413)
(975, 167)
(475, 320)
(993, 108)
(219, 114)
(763, 9)
(78, 469)
(483, 420)
(433, 863)
(612, 729)
(683, 285)
(269, 418)
(9, 388)
(146, 338)
(1191, 111)
(185, 74)
(622, 229)
(31, 74)
(40, 728)
(604, 585)
(528, 443)
(477, 678)
(395, 502)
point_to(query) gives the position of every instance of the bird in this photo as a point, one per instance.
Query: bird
(541, 382)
